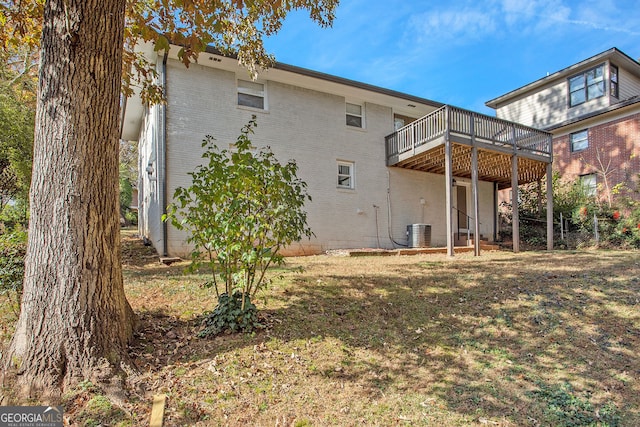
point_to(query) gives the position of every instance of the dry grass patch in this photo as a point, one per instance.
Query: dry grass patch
(504, 339)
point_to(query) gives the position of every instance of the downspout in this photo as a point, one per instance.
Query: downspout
(163, 156)
(123, 111)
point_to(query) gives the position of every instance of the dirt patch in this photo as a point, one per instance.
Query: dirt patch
(134, 252)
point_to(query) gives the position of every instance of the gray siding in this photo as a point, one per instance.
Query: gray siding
(549, 105)
(629, 85)
(539, 109)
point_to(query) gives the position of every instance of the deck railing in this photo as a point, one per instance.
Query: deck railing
(468, 124)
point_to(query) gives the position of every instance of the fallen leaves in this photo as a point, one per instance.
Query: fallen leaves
(354, 342)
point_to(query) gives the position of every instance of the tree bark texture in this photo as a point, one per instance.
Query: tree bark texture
(75, 322)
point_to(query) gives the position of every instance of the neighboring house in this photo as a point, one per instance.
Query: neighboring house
(592, 108)
(375, 160)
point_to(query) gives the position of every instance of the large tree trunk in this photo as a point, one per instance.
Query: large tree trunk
(75, 321)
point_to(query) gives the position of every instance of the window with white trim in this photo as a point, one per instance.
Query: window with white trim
(346, 175)
(355, 115)
(579, 140)
(251, 94)
(586, 86)
(589, 184)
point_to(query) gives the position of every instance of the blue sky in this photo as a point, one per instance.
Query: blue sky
(457, 52)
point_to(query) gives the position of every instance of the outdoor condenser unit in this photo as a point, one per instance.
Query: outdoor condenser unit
(419, 235)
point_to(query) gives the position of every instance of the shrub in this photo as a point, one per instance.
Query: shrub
(13, 247)
(567, 197)
(242, 208)
(628, 226)
(131, 217)
(232, 314)
(15, 216)
(618, 222)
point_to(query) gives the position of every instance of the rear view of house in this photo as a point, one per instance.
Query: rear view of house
(378, 163)
(592, 108)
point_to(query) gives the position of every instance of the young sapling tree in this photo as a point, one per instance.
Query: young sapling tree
(242, 208)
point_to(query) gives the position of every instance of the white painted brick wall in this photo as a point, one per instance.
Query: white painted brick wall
(308, 126)
(149, 209)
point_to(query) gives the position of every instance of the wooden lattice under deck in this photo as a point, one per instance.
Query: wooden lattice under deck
(492, 166)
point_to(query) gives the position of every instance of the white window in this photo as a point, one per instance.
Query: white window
(346, 178)
(589, 184)
(579, 140)
(355, 115)
(251, 94)
(586, 86)
(613, 77)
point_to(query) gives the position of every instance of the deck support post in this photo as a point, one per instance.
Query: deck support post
(448, 177)
(549, 207)
(515, 218)
(474, 194)
(474, 186)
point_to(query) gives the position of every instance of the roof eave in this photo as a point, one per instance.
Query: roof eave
(356, 84)
(339, 80)
(616, 107)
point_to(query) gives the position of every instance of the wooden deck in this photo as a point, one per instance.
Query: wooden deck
(454, 142)
(421, 146)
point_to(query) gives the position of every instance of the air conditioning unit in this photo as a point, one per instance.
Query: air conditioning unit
(419, 235)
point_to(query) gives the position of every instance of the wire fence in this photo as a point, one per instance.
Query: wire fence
(591, 232)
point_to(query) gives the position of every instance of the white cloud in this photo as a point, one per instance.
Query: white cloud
(533, 14)
(539, 16)
(465, 23)
(490, 18)
(451, 24)
(603, 17)
(513, 11)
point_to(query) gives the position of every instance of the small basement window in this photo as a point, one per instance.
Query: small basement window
(251, 94)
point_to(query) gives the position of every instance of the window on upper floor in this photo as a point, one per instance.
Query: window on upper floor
(251, 94)
(579, 140)
(355, 115)
(346, 175)
(613, 80)
(586, 86)
(589, 184)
